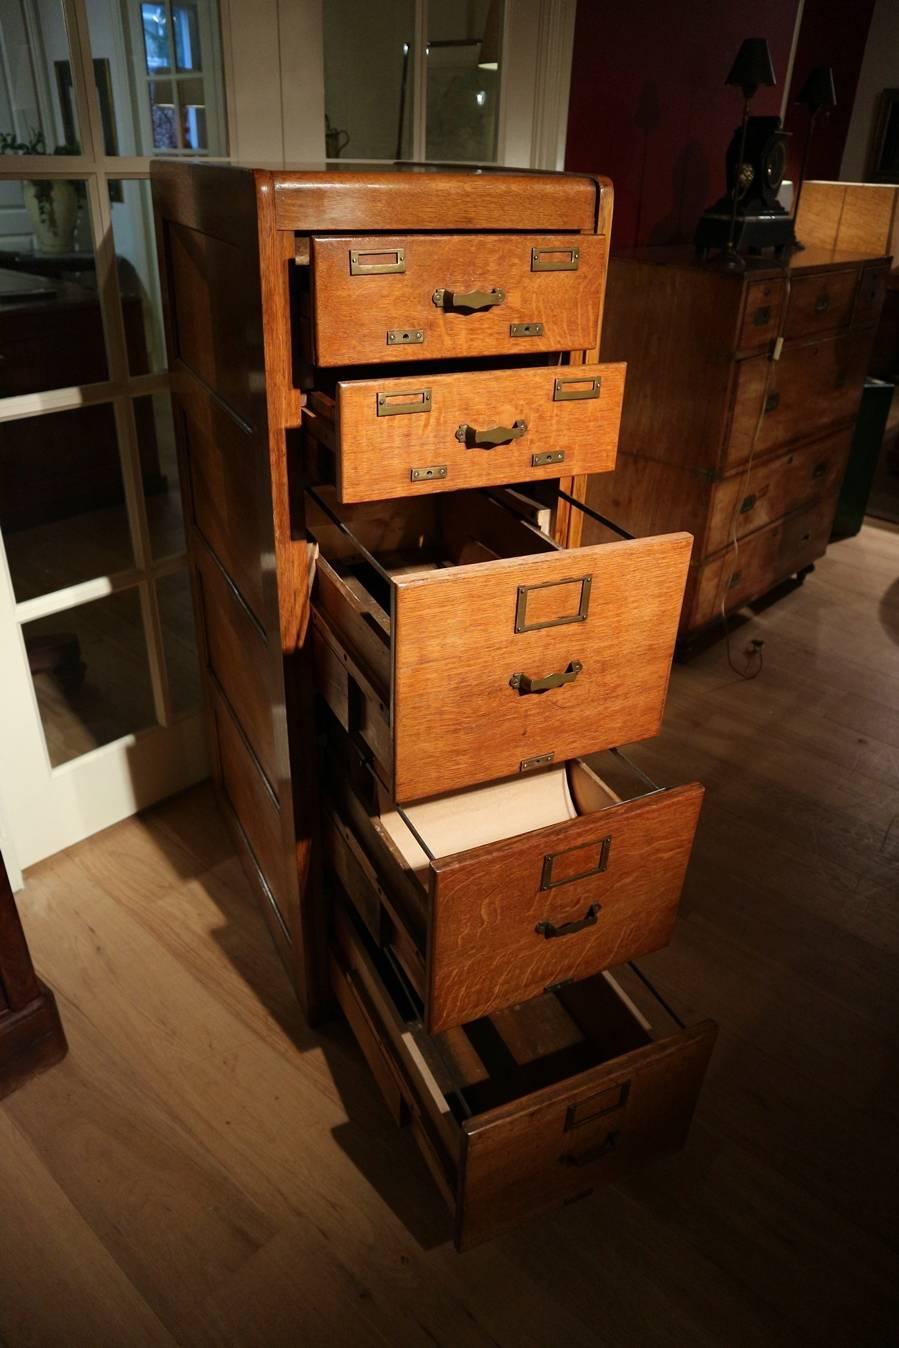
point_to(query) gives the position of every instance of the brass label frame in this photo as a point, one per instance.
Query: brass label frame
(404, 409)
(549, 860)
(521, 604)
(360, 268)
(571, 263)
(563, 394)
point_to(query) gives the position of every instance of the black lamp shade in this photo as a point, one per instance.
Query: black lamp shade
(818, 91)
(752, 66)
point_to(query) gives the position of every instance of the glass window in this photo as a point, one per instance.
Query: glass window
(159, 467)
(62, 502)
(91, 675)
(463, 56)
(134, 239)
(179, 640)
(369, 79)
(51, 325)
(37, 107)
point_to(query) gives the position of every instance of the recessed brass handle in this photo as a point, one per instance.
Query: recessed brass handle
(467, 301)
(549, 929)
(493, 436)
(822, 304)
(524, 683)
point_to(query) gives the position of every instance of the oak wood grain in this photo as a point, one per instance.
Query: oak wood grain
(352, 314)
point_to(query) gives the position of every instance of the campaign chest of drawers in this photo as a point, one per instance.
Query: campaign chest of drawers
(743, 388)
(388, 403)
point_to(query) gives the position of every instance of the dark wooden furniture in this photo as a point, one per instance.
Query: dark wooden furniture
(404, 659)
(31, 1034)
(743, 388)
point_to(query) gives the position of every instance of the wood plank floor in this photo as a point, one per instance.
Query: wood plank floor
(204, 1170)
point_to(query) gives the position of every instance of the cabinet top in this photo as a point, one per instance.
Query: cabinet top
(343, 195)
(683, 257)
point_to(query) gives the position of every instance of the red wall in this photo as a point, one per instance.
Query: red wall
(649, 107)
(832, 33)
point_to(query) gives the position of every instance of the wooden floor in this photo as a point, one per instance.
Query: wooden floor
(203, 1170)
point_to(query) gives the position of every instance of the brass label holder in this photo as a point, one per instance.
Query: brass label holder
(359, 266)
(405, 403)
(524, 591)
(555, 259)
(549, 881)
(576, 388)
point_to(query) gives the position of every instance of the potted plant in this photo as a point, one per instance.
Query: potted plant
(52, 203)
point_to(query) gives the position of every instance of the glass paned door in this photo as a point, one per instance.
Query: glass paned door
(100, 707)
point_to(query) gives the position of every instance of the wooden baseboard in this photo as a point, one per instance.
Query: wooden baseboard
(31, 1040)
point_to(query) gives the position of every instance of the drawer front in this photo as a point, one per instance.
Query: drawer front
(510, 664)
(871, 294)
(820, 303)
(762, 311)
(510, 919)
(764, 560)
(812, 387)
(428, 296)
(405, 437)
(568, 1139)
(774, 488)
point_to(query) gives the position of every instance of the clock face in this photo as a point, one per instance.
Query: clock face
(775, 162)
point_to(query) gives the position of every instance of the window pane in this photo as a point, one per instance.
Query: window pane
(159, 464)
(159, 73)
(187, 37)
(37, 105)
(135, 249)
(179, 639)
(463, 79)
(91, 675)
(368, 79)
(51, 327)
(156, 39)
(62, 502)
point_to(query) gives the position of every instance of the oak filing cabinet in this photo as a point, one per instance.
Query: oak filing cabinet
(388, 401)
(744, 390)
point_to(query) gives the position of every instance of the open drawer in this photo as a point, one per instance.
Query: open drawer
(464, 645)
(474, 428)
(493, 895)
(431, 296)
(535, 1106)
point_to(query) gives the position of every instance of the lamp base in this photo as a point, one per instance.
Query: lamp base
(752, 233)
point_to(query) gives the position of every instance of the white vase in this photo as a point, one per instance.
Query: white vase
(53, 208)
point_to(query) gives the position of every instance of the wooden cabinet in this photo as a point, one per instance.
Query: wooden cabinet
(743, 387)
(405, 660)
(31, 1036)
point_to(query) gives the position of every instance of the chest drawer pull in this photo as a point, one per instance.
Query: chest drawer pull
(525, 684)
(359, 266)
(467, 301)
(405, 403)
(748, 503)
(548, 929)
(493, 436)
(822, 304)
(820, 469)
(593, 1153)
(772, 402)
(555, 259)
(568, 390)
(762, 316)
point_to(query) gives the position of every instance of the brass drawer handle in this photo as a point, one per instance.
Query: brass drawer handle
(593, 1153)
(822, 304)
(820, 470)
(467, 301)
(493, 436)
(548, 929)
(748, 504)
(772, 402)
(762, 316)
(525, 684)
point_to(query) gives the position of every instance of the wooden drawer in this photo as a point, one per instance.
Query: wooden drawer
(814, 386)
(820, 302)
(536, 1105)
(762, 312)
(871, 294)
(775, 487)
(408, 437)
(411, 297)
(763, 560)
(465, 645)
(489, 897)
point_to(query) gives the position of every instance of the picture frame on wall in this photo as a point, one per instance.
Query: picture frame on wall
(883, 166)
